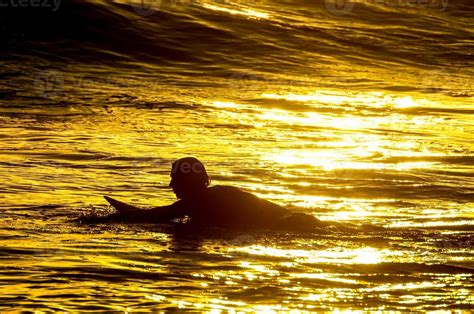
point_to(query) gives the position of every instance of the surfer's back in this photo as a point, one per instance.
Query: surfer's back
(230, 206)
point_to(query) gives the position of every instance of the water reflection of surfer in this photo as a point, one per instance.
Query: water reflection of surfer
(216, 206)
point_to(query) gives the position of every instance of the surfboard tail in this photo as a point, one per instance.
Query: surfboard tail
(120, 206)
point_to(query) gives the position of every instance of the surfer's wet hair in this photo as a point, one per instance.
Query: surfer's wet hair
(190, 168)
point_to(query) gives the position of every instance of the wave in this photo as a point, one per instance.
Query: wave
(224, 37)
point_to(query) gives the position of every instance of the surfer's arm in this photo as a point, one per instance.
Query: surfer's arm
(166, 213)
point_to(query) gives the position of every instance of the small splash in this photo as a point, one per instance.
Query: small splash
(95, 214)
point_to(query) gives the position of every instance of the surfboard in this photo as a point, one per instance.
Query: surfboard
(120, 206)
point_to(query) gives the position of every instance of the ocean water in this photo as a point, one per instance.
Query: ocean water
(359, 113)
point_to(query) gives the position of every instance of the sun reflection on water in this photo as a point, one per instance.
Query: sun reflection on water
(247, 12)
(366, 255)
(371, 99)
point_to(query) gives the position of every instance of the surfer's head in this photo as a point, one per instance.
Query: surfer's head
(188, 177)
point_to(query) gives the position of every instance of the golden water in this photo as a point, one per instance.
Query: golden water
(368, 159)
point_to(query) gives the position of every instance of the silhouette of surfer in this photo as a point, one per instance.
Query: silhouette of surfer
(212, 206)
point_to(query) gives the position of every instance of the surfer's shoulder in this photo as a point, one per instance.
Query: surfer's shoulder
(223, 188)
(227, 191)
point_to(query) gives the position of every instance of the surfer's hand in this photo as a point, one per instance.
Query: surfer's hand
(129, 216)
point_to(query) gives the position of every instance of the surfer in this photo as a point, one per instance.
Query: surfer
(212, 206)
